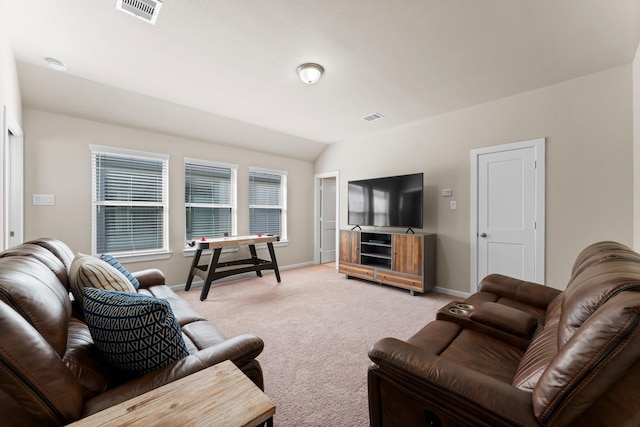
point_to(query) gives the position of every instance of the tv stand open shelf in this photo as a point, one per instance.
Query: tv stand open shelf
(402, 260)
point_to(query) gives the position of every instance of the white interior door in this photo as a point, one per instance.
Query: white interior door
(327, 220)
(509, 232)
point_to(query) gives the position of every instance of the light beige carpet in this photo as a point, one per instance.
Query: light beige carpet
(317, 327)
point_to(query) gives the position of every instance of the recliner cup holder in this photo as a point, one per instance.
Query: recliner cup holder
(461, 309)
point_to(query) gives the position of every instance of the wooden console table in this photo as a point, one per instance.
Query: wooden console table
(220, 395)
(210, 272)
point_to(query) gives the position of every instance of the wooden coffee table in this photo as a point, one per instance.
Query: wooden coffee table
(220, 395)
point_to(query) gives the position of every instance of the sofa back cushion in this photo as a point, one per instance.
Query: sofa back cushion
(598, 252)
(44, 256)
(33, 373)
(58, 248)
(593, 287)
(541, 351)
(597, 357)
(33, 290)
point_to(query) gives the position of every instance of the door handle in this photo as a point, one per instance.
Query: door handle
(483, 235)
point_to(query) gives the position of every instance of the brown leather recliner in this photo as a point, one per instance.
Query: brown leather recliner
(51, 373)
(568, 359)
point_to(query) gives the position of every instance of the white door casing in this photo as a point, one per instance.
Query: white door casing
(328, 220)
(13, 227)
(507, 218)
(318, 206)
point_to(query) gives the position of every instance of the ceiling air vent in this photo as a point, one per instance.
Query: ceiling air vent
(372, 117)
(147, 10)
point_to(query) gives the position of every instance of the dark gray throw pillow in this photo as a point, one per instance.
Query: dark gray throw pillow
(135, 333)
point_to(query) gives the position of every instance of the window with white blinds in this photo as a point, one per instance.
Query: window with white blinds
(268, 202)
(210, 199)
(130, 203)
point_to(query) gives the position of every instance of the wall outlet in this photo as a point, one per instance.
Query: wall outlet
(453, 205)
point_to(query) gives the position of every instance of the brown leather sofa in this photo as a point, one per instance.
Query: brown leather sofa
(51, 372)
(521, 354)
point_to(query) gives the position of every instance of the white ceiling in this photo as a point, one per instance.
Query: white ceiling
(224, 71)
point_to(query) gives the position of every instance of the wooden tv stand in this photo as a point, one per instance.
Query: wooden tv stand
(402, 260)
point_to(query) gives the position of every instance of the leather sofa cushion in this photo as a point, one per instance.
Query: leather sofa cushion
(469, 348)
(84, 360)
(137, 334)
(90, 272)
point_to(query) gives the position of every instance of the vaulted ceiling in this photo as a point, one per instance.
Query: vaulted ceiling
(225, 71)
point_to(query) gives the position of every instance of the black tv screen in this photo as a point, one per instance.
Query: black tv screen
(394, 201)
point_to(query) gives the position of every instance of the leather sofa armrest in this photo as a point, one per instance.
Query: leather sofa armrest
(505, 318)
(239, 350)
(149, 278)
(530, 293)
(453, 386)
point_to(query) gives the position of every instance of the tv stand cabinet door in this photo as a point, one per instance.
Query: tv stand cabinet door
(408, 253)
(350, 246)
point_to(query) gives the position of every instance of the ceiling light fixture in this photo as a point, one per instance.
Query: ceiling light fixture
(56, 65)
(310, 73)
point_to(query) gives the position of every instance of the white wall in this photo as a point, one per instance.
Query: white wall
(588, 126)
(59, 162)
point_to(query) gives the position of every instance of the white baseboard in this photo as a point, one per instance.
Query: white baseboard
(450, 292)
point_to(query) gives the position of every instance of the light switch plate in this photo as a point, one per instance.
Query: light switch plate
(44, 200)
(453, 205)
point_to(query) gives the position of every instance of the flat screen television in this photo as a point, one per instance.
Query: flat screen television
(394, 201)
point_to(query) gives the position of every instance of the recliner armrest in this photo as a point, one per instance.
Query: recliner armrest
(149, 278)
(530, 293)
(505, 318)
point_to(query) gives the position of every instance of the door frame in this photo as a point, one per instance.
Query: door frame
(539, 145)
(317, 180)
(13, 164)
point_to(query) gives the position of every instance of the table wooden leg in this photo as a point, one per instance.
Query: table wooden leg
(194, 265)
(212, 269)
(254, 257)
(273, 260)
